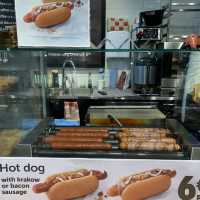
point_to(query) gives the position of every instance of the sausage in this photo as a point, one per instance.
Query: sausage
(74, 134)
(29, 17)
(146, 135)
(56, 178)
(133, 139)
(70, 4)
(81, 146)
(53, 139)
(142, 185)
(149, 146)
(154, 130)
(84, 130)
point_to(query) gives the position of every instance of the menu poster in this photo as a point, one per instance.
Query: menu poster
(98, 179)
(55, 24)
(7, 14)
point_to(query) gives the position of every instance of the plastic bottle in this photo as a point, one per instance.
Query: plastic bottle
(101, 79)
(90, 81)
(66, 110)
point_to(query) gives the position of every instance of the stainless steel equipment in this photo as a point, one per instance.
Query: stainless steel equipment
(150, 25)
(170, 86)
(189, 145)
(144, 72)
(173, 45)
(144, 75)
(126, 115)
(149, 33)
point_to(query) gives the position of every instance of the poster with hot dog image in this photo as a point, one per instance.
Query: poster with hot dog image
(98, 179)
(53, 23)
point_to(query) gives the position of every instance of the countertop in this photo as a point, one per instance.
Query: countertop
(110, 94)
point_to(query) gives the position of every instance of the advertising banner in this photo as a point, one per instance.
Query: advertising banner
(45, 23)
(98, 179)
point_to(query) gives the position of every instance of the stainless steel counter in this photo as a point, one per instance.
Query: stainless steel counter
(110, 94)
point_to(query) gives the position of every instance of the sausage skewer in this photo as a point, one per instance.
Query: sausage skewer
(81, 146)
(86, 134)
(149, 146)
(133, 139)
(60, 139)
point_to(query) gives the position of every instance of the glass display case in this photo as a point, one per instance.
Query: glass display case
(136, 64)
(33, 96)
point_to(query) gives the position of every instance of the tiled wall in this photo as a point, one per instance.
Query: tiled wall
(127, 8)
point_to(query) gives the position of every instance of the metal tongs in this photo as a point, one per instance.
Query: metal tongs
(113, 118)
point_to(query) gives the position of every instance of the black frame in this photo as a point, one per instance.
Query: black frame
(93, 59)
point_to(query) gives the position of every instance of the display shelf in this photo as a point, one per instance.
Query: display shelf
(77, 50)
(114, 94)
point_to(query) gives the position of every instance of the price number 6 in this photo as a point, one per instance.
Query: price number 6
(186, 191)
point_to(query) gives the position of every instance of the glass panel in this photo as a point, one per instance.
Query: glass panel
(20, 97)
(190, 114)
(184, 19)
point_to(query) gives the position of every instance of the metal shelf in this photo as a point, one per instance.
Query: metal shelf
(117, 154)
(91, 50)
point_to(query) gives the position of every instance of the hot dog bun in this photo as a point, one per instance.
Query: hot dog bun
(53, 17)
(147, 188)
(74, 188)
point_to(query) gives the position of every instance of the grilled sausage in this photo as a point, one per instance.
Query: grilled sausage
(64, 139)
(90, 134)
(146, 135)
(133, 139)
(83, 130)
(149, 146)
(81, 146)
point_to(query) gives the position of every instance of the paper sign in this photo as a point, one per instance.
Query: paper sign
(53, 24)
(22, 179)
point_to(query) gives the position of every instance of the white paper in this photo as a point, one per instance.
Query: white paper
(73, 33)
(41, 168)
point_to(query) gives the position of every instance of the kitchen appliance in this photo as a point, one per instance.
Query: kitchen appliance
(151, 18)
(150, 25)
(144, 75)
(151, 33)
(189, 145)
(126, 115)
(170, 86)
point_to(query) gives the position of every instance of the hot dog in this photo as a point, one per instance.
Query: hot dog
(155, 130)
(142, 185)
(70, 185)
(84, 130)
(142, 134)
(146, 135)
(48, 15)
(150, 146)
(81, 146)
(53, 139)
(133, 139)
(77, 134)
